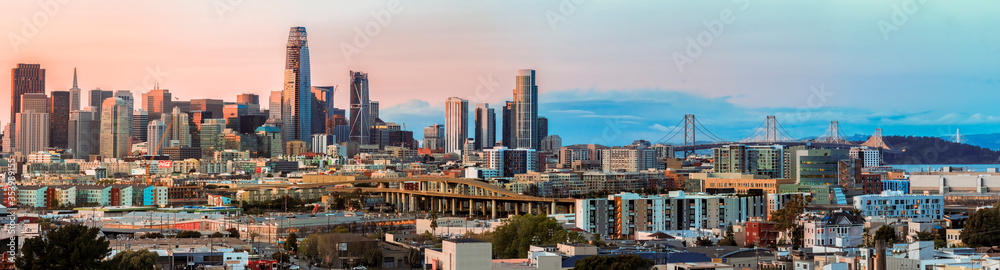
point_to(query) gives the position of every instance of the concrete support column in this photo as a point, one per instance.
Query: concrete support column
(552, 209)
(472, 207)
(453, 200)
(493, 208)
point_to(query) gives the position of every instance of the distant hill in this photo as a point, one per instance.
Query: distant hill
(933, 150)
(991, 141)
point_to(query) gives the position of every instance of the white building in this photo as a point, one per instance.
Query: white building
(677, 210)
(32, 132)
(627, 159)
(839, 229)
(870, 157)
(456, 254)
(456, 127)
(895, 204)
(321, 141)
(511, 161)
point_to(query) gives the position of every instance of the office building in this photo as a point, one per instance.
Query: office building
(507, 132)
(84, 133)
(215, 106)
(25, 78)
(627, 159)
(126, 96)
(271, 141)
(895, 204)
(456, 126)
(116, 126)
(155, 129)
(360, 118)
(871, 157)
(434, 136)
(321, 141)
(274, 108)
(511, 161)
(818, 166)
(525, 111)
(35, 102)
(31, 132)
(296, 98)
(766, 160)
(178, 128)
(486, 126)
(74, 95)
(543, 129)
(551, 144)
(157, 102)
(211, 131)
(248, 98)
(97, 97)
(59, 119)
(139, 127)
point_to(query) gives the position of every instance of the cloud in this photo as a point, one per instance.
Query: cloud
(659, 127)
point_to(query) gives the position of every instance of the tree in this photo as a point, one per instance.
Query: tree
(188, 234)
(730, 239)
(414, 258)
(134, 260)
(624, 262)
(65, 247)
(798, 234)
(215, 235)
(292, 242)
(532, 190)
(885, 233)
(372, 257)
(511, 240)
(784, 218)
(280, 257)
(982, 228)
(233, 232)
(704, 242)
(434, 221)
(340, 229)
(153, 235)
(929, 236)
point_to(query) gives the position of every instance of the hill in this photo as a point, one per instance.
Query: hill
(933, 150)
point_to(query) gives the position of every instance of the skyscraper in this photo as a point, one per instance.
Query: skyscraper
(433, 136)
(155, 130)
(59, 105)
(525, 110)
(507, 133)
(486, 126)
(74, 95)
(32, 130)
(543, 129)
(97, 97)
(116, 126)
(247, 98)
(157, 101)
(25, 78)
(34, 102)
(126, 96)
(274, 108)
(140, 127)
(373, 110)
(179, 133)
(361, 122)
(296, 109)
(456, 124)
(84, 132)
(216, 106)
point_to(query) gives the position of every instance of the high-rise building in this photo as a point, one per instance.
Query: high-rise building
(270, 139)
(373, 110)
(25, 78)
(34, 102)
(84, 132)
(434, 136)
(157, 102)
(361, 121)
(32, 132)
(456, 124)
(247, 98)
(97, 97)
(216, 106)
(179, 128)
(126, 95)
(211, 134)
(155, 129)
(140, 127)
(74, 95)
(543, 128)
(8, 139)
(59, 119)
(766, 160)
(321, 141)
(116, 126)
(274, 108)
(525, 111)
(486, 126)
(296, 110)
(507, 133)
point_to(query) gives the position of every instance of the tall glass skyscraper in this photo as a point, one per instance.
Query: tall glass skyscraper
(456, 124)
(361, 121)
(25, 78)
(296, 107)
(486, 127)
(116, 127)
(525, 110)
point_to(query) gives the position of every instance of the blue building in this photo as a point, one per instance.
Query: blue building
(901, 185)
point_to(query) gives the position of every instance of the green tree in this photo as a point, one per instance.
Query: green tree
(623, 262)
(730, 239)
(341, 229)
(885, 233)
(233, 232)
(65, 247)
(134, 260)
(784, 218)
(703, 242)
(982, 228)
(511, 240)
(372, 258)
(798, 234)
(434, 221)
(292, 242)
(153, 235)
(215, 235)
(280, 257)
(929, 236)
(188, 234)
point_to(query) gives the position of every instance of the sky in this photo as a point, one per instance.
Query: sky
(608, 72)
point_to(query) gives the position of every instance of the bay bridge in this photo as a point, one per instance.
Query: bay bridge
(770, 132)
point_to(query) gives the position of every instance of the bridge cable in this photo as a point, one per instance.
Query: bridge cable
(676, 129)
(713, 136)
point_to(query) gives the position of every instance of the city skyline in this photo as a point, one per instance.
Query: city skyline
(642, 92)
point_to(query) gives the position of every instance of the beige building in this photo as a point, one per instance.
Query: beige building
(463, 254)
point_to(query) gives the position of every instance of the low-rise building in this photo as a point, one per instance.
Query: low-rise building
(838, 229)
(895, 204)
(456, 254)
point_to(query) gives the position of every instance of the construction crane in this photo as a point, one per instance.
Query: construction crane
(159, 143)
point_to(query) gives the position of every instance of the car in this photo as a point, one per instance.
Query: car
(293, 267)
